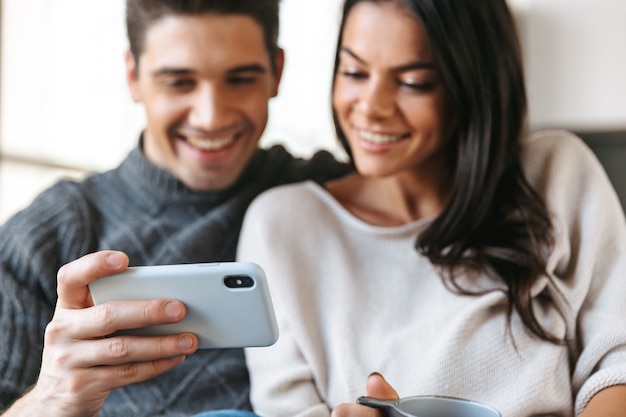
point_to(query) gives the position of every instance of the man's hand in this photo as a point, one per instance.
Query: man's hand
(376, 387)
(81, 362)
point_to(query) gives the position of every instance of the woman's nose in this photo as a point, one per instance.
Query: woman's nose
(377, 99)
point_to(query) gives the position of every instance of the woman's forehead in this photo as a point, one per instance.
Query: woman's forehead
(385, 31)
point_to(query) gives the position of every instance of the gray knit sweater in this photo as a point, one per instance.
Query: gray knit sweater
(147, 213)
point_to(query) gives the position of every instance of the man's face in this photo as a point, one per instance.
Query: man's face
(205, 82)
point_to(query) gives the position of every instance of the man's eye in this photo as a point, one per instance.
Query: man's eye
(179, 84)
(242, 80)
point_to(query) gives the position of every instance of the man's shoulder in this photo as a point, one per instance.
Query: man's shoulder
(320, 167)
(55, 228)
(61, 195)
(62, 207)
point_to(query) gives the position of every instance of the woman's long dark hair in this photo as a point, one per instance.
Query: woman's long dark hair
(494, 222)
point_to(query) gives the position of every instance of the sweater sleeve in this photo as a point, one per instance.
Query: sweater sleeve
(33, 245)
(589, 260)
(599, 251)
(276, 389)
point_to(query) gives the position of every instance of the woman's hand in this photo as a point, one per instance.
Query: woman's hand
(376, 387)
(81, 364)
(610, 402)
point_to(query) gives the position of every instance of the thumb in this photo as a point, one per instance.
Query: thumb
(73, 278)
(380, 389)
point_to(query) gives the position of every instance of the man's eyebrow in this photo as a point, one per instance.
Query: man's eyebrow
(247, 68)
(172, 71)
(254, 68)
(406, 67)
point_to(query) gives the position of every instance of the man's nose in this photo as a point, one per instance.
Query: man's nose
(208, 108)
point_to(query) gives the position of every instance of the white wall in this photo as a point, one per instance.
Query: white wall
(575, 52)
(63, 93)
(64, 97)
(301, 113)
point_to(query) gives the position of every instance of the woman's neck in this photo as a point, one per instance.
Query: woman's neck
(389, 201)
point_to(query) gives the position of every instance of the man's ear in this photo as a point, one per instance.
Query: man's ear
(132, 76)
(279, 64)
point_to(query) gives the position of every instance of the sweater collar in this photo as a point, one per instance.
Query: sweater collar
(158, 187)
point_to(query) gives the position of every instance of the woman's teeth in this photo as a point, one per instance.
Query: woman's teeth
(210, 144)
(379, 139)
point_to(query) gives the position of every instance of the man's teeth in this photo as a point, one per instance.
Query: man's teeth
(210, 144)
(379, 139)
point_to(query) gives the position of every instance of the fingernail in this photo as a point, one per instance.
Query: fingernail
(173, 310)
(114, 259)
(185, 342)
(373, 374)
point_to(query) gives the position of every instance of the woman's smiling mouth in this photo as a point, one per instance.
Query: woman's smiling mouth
(379, 138)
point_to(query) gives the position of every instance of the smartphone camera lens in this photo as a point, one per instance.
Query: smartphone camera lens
(238, 281)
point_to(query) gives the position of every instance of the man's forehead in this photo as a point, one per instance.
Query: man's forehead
(207, 39)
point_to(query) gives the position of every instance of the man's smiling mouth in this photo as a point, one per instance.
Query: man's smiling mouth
(212, 144)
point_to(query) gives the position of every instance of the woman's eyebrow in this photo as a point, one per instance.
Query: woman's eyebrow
(417, 65)
(348, 51)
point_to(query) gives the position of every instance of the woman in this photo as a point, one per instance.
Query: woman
(461, 259)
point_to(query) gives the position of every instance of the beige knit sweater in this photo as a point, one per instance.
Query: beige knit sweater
(352, 298)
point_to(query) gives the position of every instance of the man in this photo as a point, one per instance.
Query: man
(204, 71)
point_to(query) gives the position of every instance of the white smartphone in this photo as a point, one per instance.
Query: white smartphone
(228, 303)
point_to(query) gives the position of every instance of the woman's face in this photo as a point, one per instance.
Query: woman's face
(389, 100)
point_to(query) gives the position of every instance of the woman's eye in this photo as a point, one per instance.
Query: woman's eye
(357, 75)
(417, 86)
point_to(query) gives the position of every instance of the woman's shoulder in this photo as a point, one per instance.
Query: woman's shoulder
(284, 213)
(289, 198)
(558, 148)
(307, 188)
(550, 145)
(559, 155)
(567, 174)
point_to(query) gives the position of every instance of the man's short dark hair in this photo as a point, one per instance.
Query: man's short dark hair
(141, 14)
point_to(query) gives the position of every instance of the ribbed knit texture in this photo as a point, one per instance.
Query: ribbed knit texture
(352, 298)
(146, 212)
